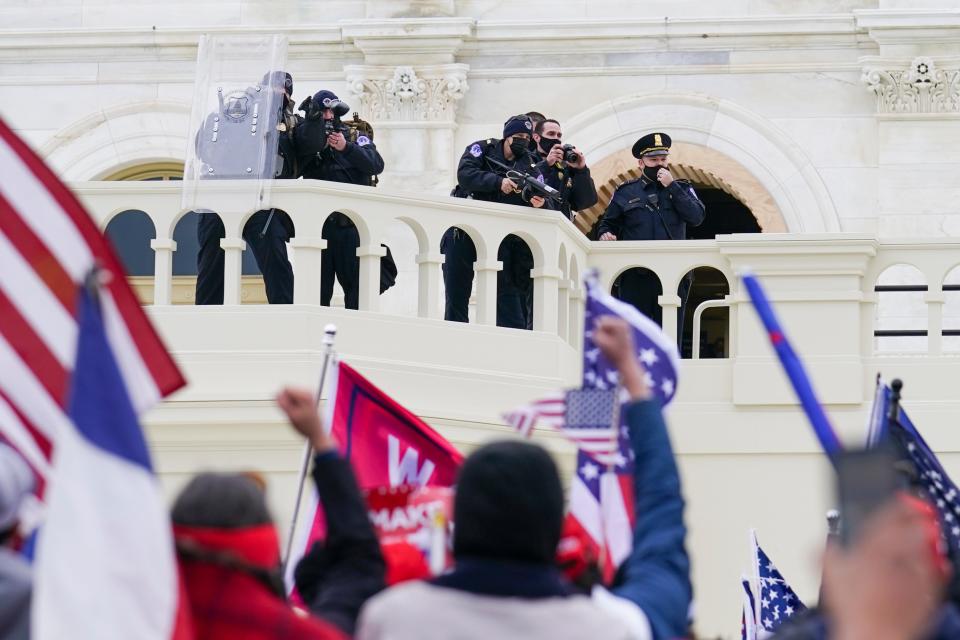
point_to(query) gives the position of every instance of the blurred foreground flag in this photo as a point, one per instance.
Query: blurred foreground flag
(773, 601)
(77, 369)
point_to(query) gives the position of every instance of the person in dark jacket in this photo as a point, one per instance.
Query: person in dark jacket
(509, 512)
(480, 178)
(330, 155)
(655, 206)
(229, 553)
(571, 179)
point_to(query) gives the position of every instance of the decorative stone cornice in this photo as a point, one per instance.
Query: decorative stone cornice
(406, 94)
(921, 87)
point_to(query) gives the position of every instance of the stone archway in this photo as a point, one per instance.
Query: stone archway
(119, 137)
(700, 165)
(740, 148)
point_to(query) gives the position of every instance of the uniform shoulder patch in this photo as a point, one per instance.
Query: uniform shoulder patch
(363, 141)
(628, 182)
(475, 150)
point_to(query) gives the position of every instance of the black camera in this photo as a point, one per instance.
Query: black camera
(570, 155)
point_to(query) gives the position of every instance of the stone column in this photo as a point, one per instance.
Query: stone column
(232, 268)
(563, 308)
(408, 89)
(486, 281)
(916, 82)
(369, 295)
(546, 283)
(428, 295)
(306, 272)
(162, 269)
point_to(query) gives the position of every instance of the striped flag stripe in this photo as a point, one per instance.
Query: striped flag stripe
(27, 394)
(30, 348)
(43, 312)
(79, 243)
(34, 251)
(18, 435)
(40, 210)
(44, 444)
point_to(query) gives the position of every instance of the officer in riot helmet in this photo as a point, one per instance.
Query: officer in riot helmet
(329, 149)
(481, 175)
(224, 148)
(566, 168)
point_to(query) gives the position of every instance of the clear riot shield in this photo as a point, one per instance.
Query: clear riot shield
(237, 102)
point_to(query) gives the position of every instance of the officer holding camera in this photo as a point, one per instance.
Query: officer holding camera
(654, 206)
(481, 175)
(327, 149)
(222, 145)
(566, 169)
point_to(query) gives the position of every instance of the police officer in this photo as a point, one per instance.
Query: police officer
(571, 179)
(479, 178)
(324, 152)
(266, 232)
(655, 206)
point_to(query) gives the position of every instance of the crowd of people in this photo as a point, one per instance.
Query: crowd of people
(528, 165)
(509, 579)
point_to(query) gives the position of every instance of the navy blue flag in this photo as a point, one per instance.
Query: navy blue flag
(941, 491)
(655, 351)
(774, 601)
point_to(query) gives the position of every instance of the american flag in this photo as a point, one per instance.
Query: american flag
(941, 491)
(584, 416)
(601, 492)
(656, 352)
(48, 245)
(773, 600)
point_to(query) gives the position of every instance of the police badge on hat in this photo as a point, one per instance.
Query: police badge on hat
(652, 144)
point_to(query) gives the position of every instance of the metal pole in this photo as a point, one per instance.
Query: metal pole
(329, 333)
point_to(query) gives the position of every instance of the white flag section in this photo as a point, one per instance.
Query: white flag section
(105, 566)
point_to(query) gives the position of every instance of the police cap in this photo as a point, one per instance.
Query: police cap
(652, 144)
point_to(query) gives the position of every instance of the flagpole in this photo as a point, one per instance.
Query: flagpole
(615, 438)
(329, 334)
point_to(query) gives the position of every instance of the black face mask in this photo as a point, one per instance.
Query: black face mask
(546, 144)
(519, 147)
(651, 173)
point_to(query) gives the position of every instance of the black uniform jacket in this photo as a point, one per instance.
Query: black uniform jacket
(482, 179)
(646, 210)
(356, 164)
(575, 185)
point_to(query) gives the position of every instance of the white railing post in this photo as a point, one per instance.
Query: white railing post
(486, 278)
(935, 301)
(232, 268)
(369, 296)
(162, 269)
(307, 253)
(545, 294)
(428, 294)
(670, 303)
(575, 333)
(563, 308)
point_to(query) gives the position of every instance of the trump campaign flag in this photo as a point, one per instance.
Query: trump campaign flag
(78, 367)
(387, 445)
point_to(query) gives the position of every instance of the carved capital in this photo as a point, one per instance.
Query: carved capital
(921, 87)
(408, 94)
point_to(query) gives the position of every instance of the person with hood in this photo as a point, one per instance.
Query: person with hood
(229, 552)
(509, 512)
(16, 577)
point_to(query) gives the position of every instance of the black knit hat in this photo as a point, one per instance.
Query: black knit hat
(509, 504)
(221, 501)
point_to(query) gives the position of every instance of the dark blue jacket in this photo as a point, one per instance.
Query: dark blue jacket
(636, 209)
(481, 180)
(656, 574)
